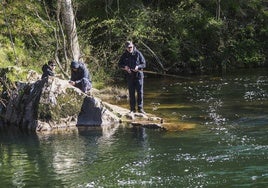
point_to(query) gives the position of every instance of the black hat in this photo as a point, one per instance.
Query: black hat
(74, 65)
(129, 44)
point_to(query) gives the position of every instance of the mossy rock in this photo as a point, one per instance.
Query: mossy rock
(51, 104)
(59, 102)
(61, 105)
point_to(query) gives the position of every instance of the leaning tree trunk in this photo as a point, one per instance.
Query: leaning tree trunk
(68, 19)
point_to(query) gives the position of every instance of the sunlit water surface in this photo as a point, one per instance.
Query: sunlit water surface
(226, 146)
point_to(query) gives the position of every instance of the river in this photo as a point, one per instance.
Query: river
(217, 137)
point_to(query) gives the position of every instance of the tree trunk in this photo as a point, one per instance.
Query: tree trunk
(218, 10)
(68, 19)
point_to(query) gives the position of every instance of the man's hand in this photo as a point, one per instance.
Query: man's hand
(72, 82)
(126, 68)
(136, 69)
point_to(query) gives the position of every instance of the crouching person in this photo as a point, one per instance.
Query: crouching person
(48, 69)
(80, 76)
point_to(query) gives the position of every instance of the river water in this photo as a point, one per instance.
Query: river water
(217, 137)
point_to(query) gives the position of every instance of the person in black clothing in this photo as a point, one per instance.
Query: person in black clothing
(80, 76)
(133, 62)
(48, 69)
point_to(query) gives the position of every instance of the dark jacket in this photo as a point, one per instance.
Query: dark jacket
(132, 60)
(47, 71)
(82, 72)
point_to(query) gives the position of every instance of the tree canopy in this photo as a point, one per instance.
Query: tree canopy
(178, 36)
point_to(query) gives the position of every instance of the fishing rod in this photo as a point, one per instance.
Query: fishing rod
(164, 74)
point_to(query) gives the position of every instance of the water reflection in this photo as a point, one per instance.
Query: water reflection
(22, 156)
(226, 147)
(61, 158)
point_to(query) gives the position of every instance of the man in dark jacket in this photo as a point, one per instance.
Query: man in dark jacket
(48, 69)
(133, 62)
(80, 76)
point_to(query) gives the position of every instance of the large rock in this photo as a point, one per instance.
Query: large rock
(44, 105)
(52, 104)
(94, 113)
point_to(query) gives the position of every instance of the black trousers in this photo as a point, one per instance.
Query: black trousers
(135, 85)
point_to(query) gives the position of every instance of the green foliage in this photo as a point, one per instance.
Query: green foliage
(184, 35)
(26, 24)
(8, 78)
(13, 74)
(106, 39)
(177, 36)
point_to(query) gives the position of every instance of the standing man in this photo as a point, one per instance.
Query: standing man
(48, 69)
(80, 76)
(133, 62)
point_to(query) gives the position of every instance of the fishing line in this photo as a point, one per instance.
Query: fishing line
(162, 74)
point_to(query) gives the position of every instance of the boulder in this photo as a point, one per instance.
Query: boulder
(94, 113)
(44, 105)
(52, 104)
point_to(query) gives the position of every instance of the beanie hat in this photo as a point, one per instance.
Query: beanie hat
(129, 44)
(74, 65)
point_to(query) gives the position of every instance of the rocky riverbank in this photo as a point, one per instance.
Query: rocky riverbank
(53, 104)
